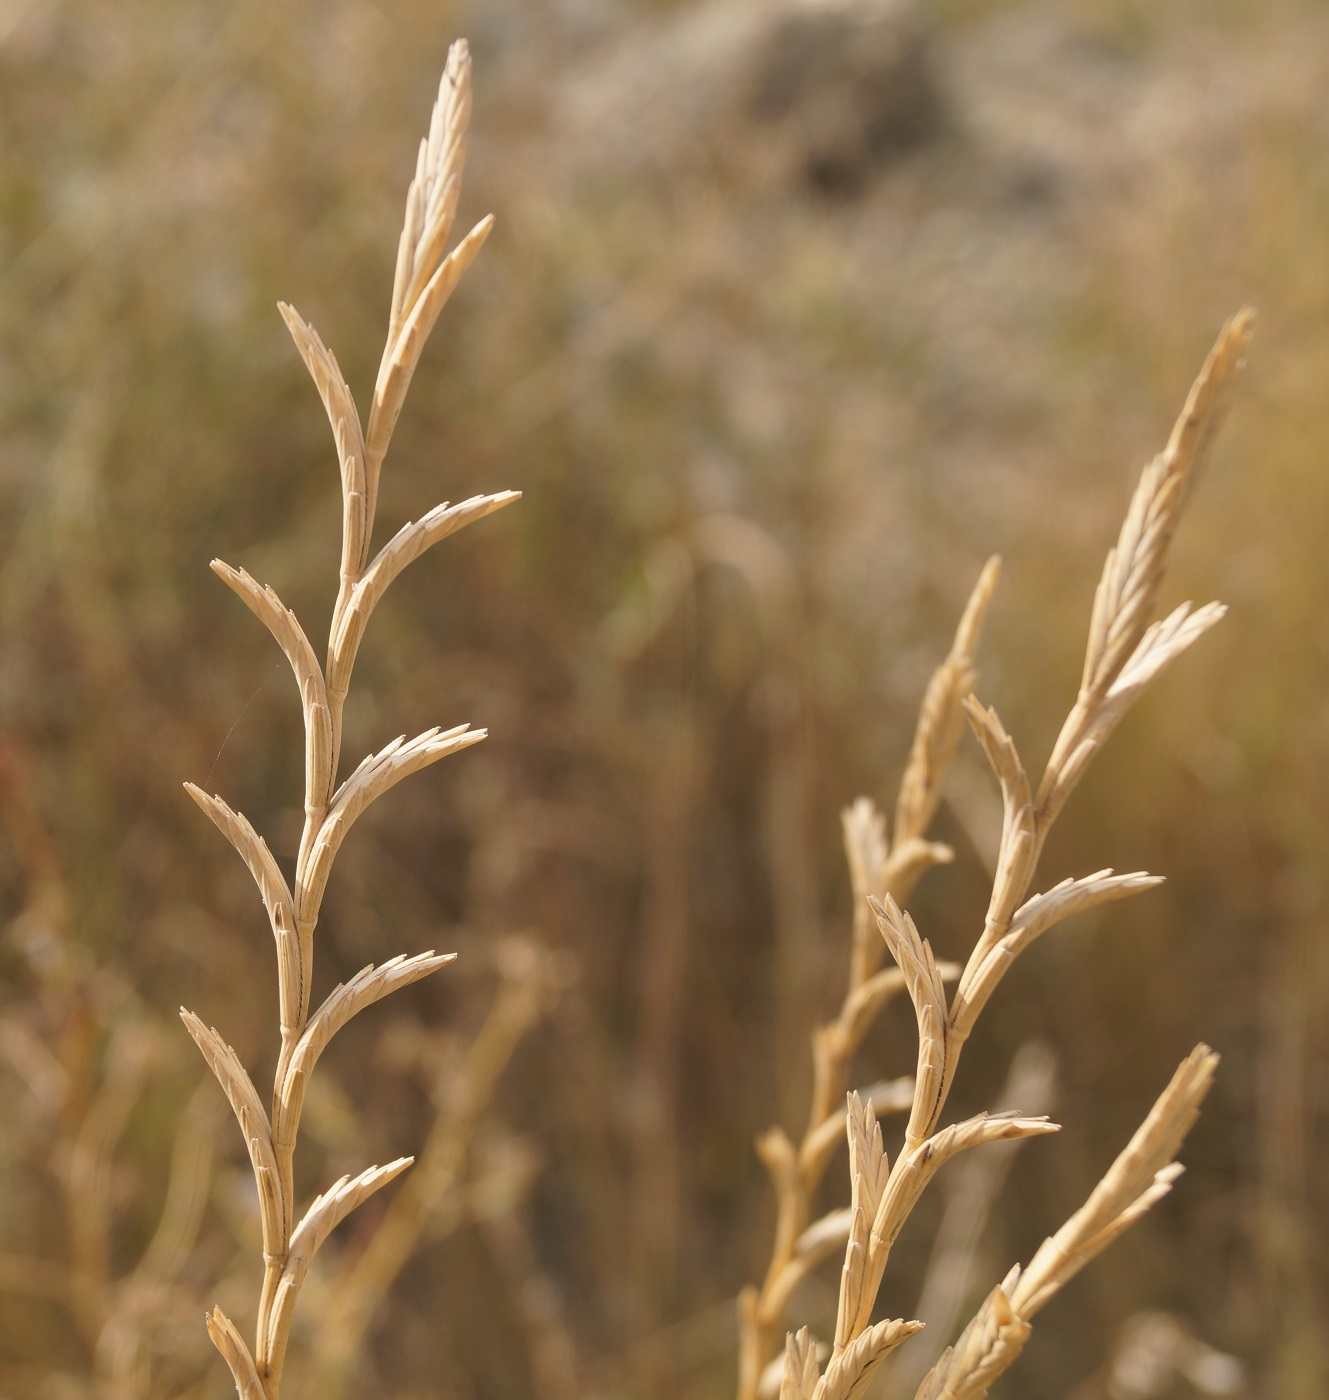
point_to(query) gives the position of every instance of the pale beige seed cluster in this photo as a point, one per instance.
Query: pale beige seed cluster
(1127, 648)
(426, 276)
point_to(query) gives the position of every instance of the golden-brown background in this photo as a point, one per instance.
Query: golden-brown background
(793, 314)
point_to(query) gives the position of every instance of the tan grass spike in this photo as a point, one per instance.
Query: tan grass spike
(1127, 648)
(425, 278)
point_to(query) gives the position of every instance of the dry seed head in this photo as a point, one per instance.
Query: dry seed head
(879, 871)
(864, 830)
(254, 1126)
(425, 279)
(1125, 650)
(277, 900)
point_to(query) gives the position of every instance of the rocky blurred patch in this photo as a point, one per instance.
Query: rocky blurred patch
(851, 83)
(825, 92)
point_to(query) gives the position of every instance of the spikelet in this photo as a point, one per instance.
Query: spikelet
(869, 1170)
(369, 985)
(1141, 1176)
(801, 1372)
(407, 545)
(1029, 922)
(1122, 647)
(325, 1213)
(941, 716)
(913, 955)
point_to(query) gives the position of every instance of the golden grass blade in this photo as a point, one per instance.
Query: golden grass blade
(989, 1345)
(1160, 645)
(292, 978)
(1126, 650)
(869, 1166)
(1132, 576)
(869, 1171)
(1019, 848)
(823, 1237)
(780, 1159)
(1128, 591)
(913, 955)
(801, 1372)
(357, 522)
(431, 200)
(941, 716)
(916, 1168)
(897, 1095)
(910, 860)
(325, 1213)
(399, 364)
(850, 1372)
(264, 603)
(865, 848)
(877, 871)
(1029, 922)
(253, 1119)
(375, 775)
(425, 277)
(369, 985)
(236, 1355)
(1141, 1175)
(331, 384)
(407, 545)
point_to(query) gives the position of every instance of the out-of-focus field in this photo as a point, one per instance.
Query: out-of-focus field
(781, 334)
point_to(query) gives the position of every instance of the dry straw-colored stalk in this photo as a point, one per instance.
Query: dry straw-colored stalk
(1126, 649)
(425, 278)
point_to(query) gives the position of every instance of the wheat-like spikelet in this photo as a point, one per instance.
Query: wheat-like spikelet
(877, 869)
(1127, 648)
(425, 278)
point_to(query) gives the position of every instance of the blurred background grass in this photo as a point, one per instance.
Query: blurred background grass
(792, 316)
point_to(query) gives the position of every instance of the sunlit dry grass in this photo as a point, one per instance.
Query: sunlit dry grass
(971, 353)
